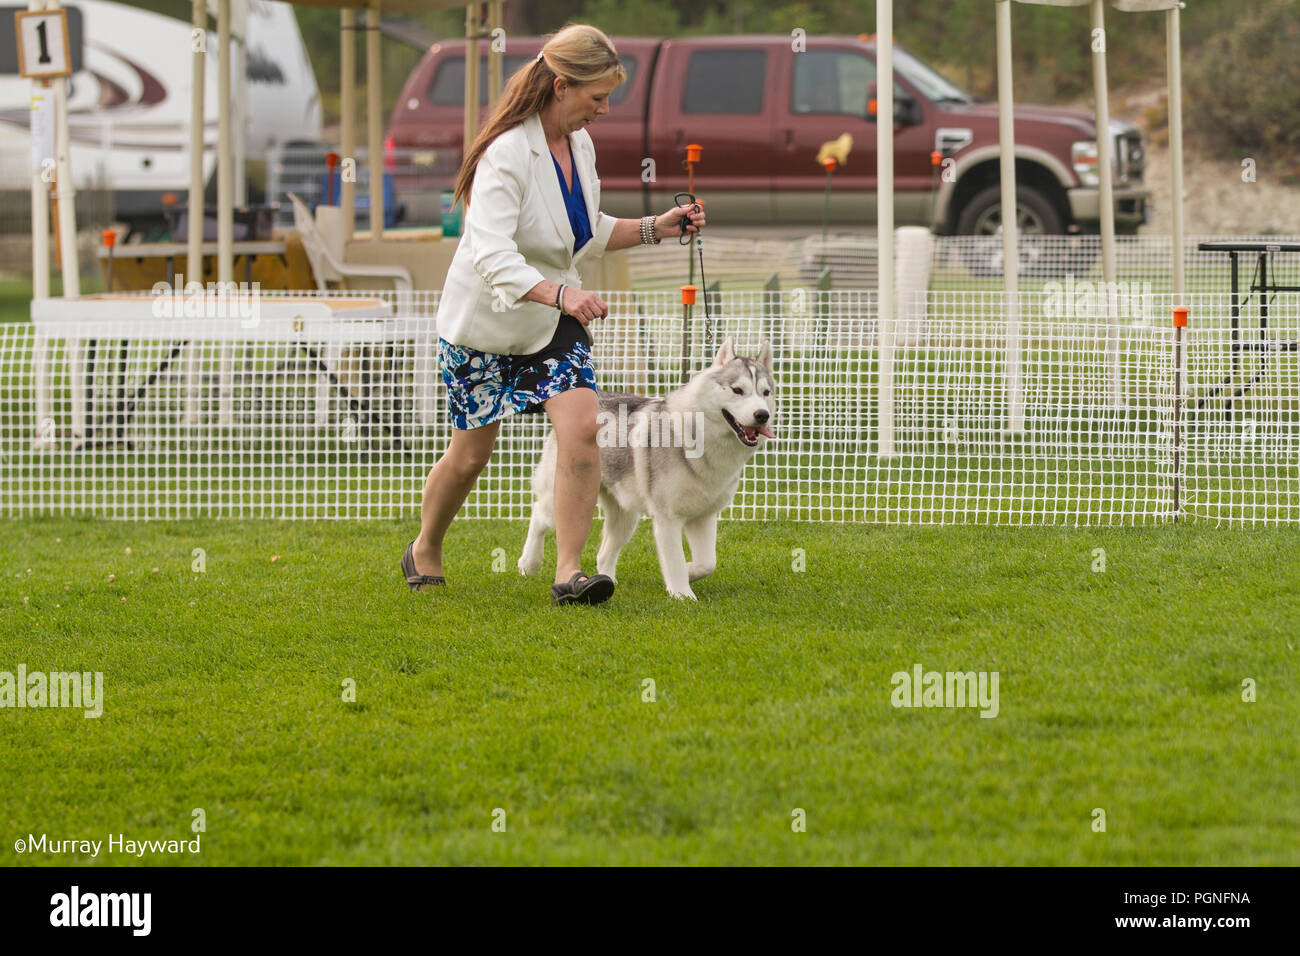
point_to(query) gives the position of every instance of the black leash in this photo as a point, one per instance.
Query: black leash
(685, 239)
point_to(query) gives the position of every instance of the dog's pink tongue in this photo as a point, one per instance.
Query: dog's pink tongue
(765, 431)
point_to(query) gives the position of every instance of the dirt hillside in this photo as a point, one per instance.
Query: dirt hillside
(1216, 199)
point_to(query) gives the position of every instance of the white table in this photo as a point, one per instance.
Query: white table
(331, 324)
(171, 251)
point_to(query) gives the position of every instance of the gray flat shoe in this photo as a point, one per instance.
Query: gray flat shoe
(581, 589)
(414, 580)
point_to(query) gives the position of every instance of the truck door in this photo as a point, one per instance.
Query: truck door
(718, 93)
(826, 94)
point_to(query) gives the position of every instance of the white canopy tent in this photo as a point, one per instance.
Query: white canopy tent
(1097, 41)
(1174, 80)
(226, 166)
(1010, 238)
(65, 193)
(1105, 174)
(230, 15)
(374, 104)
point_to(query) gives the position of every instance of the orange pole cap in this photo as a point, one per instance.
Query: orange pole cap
(872, 106)
(109, 237)
(331, 160)
(1180, 317)
(936, 158)
(693, 152)
(829, 163)
(170, 199)
(688, 294)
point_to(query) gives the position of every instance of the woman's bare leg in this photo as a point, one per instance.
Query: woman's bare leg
(577, 475)
(449, 483)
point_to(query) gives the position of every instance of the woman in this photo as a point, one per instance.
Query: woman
(512, 320)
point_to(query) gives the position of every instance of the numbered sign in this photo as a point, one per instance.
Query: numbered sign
(43, 49)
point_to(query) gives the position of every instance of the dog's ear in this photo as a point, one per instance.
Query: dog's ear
(765, 355)
(726, 353)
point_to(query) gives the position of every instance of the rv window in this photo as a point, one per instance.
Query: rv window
(831, 81)
(448, 87)
(725, 81)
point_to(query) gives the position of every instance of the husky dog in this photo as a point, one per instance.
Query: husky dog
(677, 459)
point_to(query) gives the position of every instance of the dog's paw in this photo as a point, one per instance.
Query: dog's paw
(686, 595)
(696, 571)
(527, 568)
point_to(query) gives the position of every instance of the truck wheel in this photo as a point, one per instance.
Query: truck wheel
(1045, 251)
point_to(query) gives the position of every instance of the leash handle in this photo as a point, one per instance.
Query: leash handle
(685, 238)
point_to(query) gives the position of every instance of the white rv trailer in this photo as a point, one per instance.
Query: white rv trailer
(129, 106)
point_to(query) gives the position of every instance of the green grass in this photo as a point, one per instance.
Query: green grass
(1119, 690)
(16, 294)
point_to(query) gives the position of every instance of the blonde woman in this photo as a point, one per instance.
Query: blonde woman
(513, 319)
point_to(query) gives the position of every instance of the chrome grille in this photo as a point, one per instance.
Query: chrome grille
(1130, 159)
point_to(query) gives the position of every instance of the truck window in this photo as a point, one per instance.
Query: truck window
(831, 81)
(725, 81)
(448, 86)
(932, 85)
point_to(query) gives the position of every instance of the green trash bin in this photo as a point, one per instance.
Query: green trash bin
(450, 214)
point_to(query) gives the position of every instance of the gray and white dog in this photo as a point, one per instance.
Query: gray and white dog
(677, 459)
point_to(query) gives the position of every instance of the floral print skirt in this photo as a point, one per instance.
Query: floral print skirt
(484, 387)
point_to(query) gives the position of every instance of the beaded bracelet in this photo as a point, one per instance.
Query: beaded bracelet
(648, 237)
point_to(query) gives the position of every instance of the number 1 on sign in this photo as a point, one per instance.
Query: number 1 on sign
(45, 45)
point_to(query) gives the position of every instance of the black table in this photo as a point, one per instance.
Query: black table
(1262, 284)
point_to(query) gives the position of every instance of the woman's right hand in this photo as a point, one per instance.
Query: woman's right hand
(584, 306)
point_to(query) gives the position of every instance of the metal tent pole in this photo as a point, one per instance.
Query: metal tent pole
(375, 119)
(1106, 198)
(1175, 68)
(348, 118)
(1014, 388)
(885, 226)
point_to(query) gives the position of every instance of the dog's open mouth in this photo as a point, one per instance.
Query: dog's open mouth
(748, 434)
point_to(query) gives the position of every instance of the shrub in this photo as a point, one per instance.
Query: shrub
(1242, 85)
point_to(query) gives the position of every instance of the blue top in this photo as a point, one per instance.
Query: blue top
(575, 205)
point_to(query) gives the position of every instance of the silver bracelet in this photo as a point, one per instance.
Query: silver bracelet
(648, 237)
(559, 298)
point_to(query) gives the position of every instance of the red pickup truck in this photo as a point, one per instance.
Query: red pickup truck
(761, 110)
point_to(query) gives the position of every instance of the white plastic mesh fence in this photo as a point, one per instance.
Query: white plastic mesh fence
(1081, 435)
(1241, 423)
(135, 424)
(958, 263)
(1075, 426)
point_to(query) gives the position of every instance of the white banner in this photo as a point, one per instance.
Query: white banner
(42, 128)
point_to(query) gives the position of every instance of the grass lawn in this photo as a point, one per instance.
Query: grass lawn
(16, 294)
(1119, 689)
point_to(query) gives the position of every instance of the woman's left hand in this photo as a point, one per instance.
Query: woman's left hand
(669, 224)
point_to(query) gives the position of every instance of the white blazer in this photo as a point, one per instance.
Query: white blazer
(516, 235)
